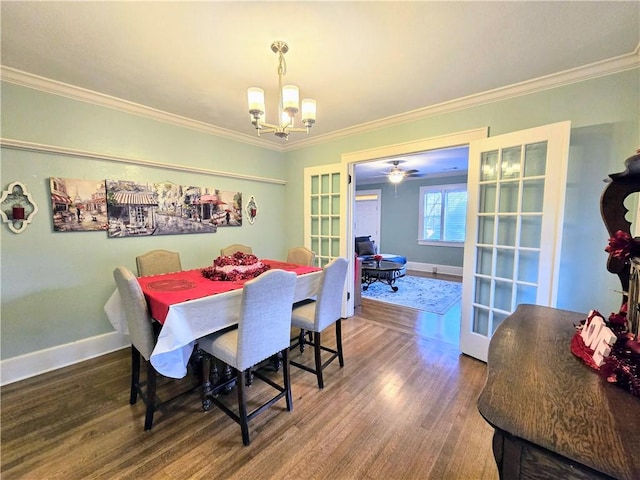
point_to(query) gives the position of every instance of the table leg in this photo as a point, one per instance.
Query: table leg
(390, 279)
(384, 277)
(367, 279)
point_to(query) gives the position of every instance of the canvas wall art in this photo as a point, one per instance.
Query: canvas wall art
(78, 205)
(143, 209)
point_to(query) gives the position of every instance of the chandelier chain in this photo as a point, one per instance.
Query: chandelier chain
(282, 64)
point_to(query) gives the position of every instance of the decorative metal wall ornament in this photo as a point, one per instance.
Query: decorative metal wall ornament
(252, 209)
(17, 208)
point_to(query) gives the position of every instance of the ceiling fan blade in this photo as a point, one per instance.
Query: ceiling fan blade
(411, 172)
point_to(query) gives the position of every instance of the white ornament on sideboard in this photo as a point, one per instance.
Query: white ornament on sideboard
(598, 337)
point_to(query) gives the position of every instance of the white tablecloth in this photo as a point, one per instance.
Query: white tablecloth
(188, 321)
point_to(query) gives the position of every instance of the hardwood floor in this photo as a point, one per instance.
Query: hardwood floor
(403, 407)
(445, 328)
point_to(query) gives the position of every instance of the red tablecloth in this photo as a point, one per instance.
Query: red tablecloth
(162, 291)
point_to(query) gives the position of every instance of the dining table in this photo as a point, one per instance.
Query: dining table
(190, 306)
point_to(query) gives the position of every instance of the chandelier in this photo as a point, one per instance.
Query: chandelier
(288, 103)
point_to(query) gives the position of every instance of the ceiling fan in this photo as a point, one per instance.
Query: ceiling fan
(396, 174)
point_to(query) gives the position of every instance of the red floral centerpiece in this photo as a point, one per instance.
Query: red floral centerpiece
(239, 266)
(377, 258)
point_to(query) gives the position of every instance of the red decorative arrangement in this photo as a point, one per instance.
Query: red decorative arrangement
(248, 267)
(622, 365)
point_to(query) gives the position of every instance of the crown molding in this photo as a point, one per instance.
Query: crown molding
(71, 152)
(29, 80)
(567, 77)
(594, 70)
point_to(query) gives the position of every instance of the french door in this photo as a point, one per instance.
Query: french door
(515, 210)
(324, 211)
(322, 193)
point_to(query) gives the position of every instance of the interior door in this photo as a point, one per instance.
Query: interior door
(324, 209)
(366, 215)
(515, 211)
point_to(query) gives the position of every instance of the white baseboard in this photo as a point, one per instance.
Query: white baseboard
(433, 268)
(35, 363)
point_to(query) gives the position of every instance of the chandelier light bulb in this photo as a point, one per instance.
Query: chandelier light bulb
(286, 119)
(256, 101)
(290, 96)
(308, 112)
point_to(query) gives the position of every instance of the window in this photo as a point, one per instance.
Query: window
(443, 214)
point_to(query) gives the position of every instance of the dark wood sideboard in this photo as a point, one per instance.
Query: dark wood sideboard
(555, 417)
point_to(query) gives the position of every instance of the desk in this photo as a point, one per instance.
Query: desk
(189, 320)
(554, 417)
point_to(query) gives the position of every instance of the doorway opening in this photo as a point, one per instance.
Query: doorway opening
(422, 297)
(371, 170)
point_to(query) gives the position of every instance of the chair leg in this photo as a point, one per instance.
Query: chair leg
(275, 361)
(339, 342)
(301, 340)
(151, 396)
(318, 358)
(242, 407)
(135, 374)
(286, 371)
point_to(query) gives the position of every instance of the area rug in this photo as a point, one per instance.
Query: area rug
(428, 294)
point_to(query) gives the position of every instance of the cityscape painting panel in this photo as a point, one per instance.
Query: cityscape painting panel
(78, 205)
(143, 209)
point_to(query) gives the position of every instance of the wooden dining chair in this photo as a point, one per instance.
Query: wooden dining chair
(143, 338)
(236, 247)
(314, 317)
(263, 331)
(158, 261)
(301, 256)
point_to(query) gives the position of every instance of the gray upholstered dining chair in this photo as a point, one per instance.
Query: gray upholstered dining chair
(158, 261)
(143, 338)
(301, 256)
(236, 247)
(316, 316)
(263, 331)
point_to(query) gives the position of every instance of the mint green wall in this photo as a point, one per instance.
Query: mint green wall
(605, 120)
(54, 285)
(399, 222)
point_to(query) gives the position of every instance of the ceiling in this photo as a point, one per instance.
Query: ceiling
(432, 163)
(364, 62)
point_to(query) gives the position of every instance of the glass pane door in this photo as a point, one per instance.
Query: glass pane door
(322, 228)
(514, 228)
